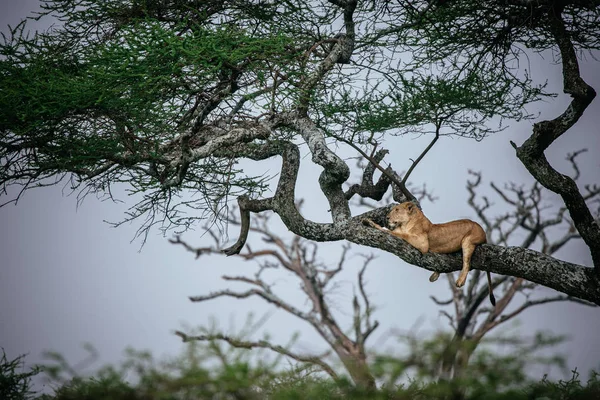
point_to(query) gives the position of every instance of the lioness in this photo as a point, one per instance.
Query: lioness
(409, 223)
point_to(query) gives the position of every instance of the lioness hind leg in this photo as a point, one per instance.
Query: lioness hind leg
(434, 277)
(467, 248)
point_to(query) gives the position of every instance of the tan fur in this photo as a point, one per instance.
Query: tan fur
(409, 223)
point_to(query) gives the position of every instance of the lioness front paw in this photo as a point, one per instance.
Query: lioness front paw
(368, 222)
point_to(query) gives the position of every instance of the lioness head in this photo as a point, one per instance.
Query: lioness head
(402, 213)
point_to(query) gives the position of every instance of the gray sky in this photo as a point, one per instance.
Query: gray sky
(66, 277)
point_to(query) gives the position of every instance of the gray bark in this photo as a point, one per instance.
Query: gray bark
(572, 279)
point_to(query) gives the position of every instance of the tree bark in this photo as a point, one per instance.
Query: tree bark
(531, 153)
(572, 279)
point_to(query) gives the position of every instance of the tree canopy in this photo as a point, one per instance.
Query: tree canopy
(170, 96)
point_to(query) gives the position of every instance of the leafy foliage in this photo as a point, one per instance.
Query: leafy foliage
(83, 97)
(193, 375)
(15, 384)
(123, 92)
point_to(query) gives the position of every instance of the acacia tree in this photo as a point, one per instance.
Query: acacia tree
(472, 318)
(169, 96)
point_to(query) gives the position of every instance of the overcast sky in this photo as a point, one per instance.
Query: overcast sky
(67, 277)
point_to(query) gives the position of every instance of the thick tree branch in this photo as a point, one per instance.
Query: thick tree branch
(531, 153)
(335, 170)
(568, 278)
(367, 189)
(245, 206)
(283, 202)
(388, 172)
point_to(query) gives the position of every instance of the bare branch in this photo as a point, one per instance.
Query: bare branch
(388, 172)
(480, 210)
(256, 282)
(440, 302)
(530, 303)
(450, 319)
(361, 286)
(331, 273)
(268, 296)
(571, 157)
(316, 360)
(369, 327)
(438, 126)
(196, 250)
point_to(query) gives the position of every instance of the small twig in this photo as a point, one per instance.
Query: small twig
(571, 157)
(438, 126)
(440, 302)
(331, 273)
(450, 319)
(356, 323)
(196, 250)
(256, 282)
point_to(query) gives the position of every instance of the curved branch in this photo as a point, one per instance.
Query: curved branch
(531, 153)
(335, 170)
(246, 205)
(388, 172)
(367, 189)
(283, 202)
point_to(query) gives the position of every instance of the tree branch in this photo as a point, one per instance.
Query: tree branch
(269, 297)
(438, 126)
(367, 189)
(531, 153)
(388, 172)
(316, 360)
(335, 171)
(568, 278)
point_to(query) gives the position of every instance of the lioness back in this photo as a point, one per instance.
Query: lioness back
(448, 237)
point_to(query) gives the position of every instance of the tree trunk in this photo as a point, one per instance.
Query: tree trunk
(456, 358)
(453, 365)
(357, 367)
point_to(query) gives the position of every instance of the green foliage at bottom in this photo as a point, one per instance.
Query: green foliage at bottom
(14, 383)
(215, 371)
(312, 388)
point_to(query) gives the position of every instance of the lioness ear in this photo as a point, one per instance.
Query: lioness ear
(410, 207)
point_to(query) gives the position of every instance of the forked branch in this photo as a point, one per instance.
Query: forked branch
(300, 257)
